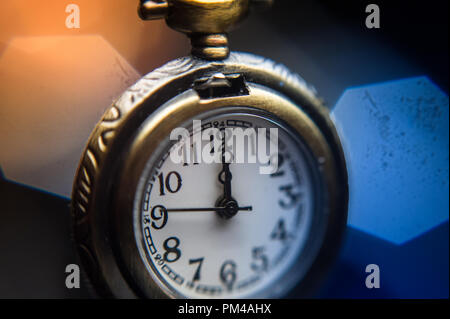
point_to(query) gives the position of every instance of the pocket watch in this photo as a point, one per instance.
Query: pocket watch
(188, 217)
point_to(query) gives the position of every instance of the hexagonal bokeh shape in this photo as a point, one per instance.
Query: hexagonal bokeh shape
(396, 142)
(54, 90)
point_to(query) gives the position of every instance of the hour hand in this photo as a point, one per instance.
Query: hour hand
(225, 177)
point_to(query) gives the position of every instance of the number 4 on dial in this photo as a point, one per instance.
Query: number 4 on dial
(279, 232)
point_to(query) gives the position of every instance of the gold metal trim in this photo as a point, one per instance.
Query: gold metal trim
(206, 23)
(109, 257)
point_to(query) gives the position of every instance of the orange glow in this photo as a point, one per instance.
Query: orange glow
(54, 90)
(56, 82)
(144, 44)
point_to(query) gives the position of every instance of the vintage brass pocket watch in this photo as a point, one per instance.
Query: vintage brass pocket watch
(148, 226)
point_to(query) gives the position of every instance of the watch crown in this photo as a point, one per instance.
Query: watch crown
(205, 22)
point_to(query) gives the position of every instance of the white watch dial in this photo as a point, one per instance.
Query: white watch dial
(196, 253)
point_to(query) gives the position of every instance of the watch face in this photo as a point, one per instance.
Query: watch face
(196, 246)
(204, 184)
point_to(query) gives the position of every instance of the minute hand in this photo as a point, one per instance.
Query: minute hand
(206, 209)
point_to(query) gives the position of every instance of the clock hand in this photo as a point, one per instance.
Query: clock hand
(226, 204)
(225, 175)
(206, 209)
